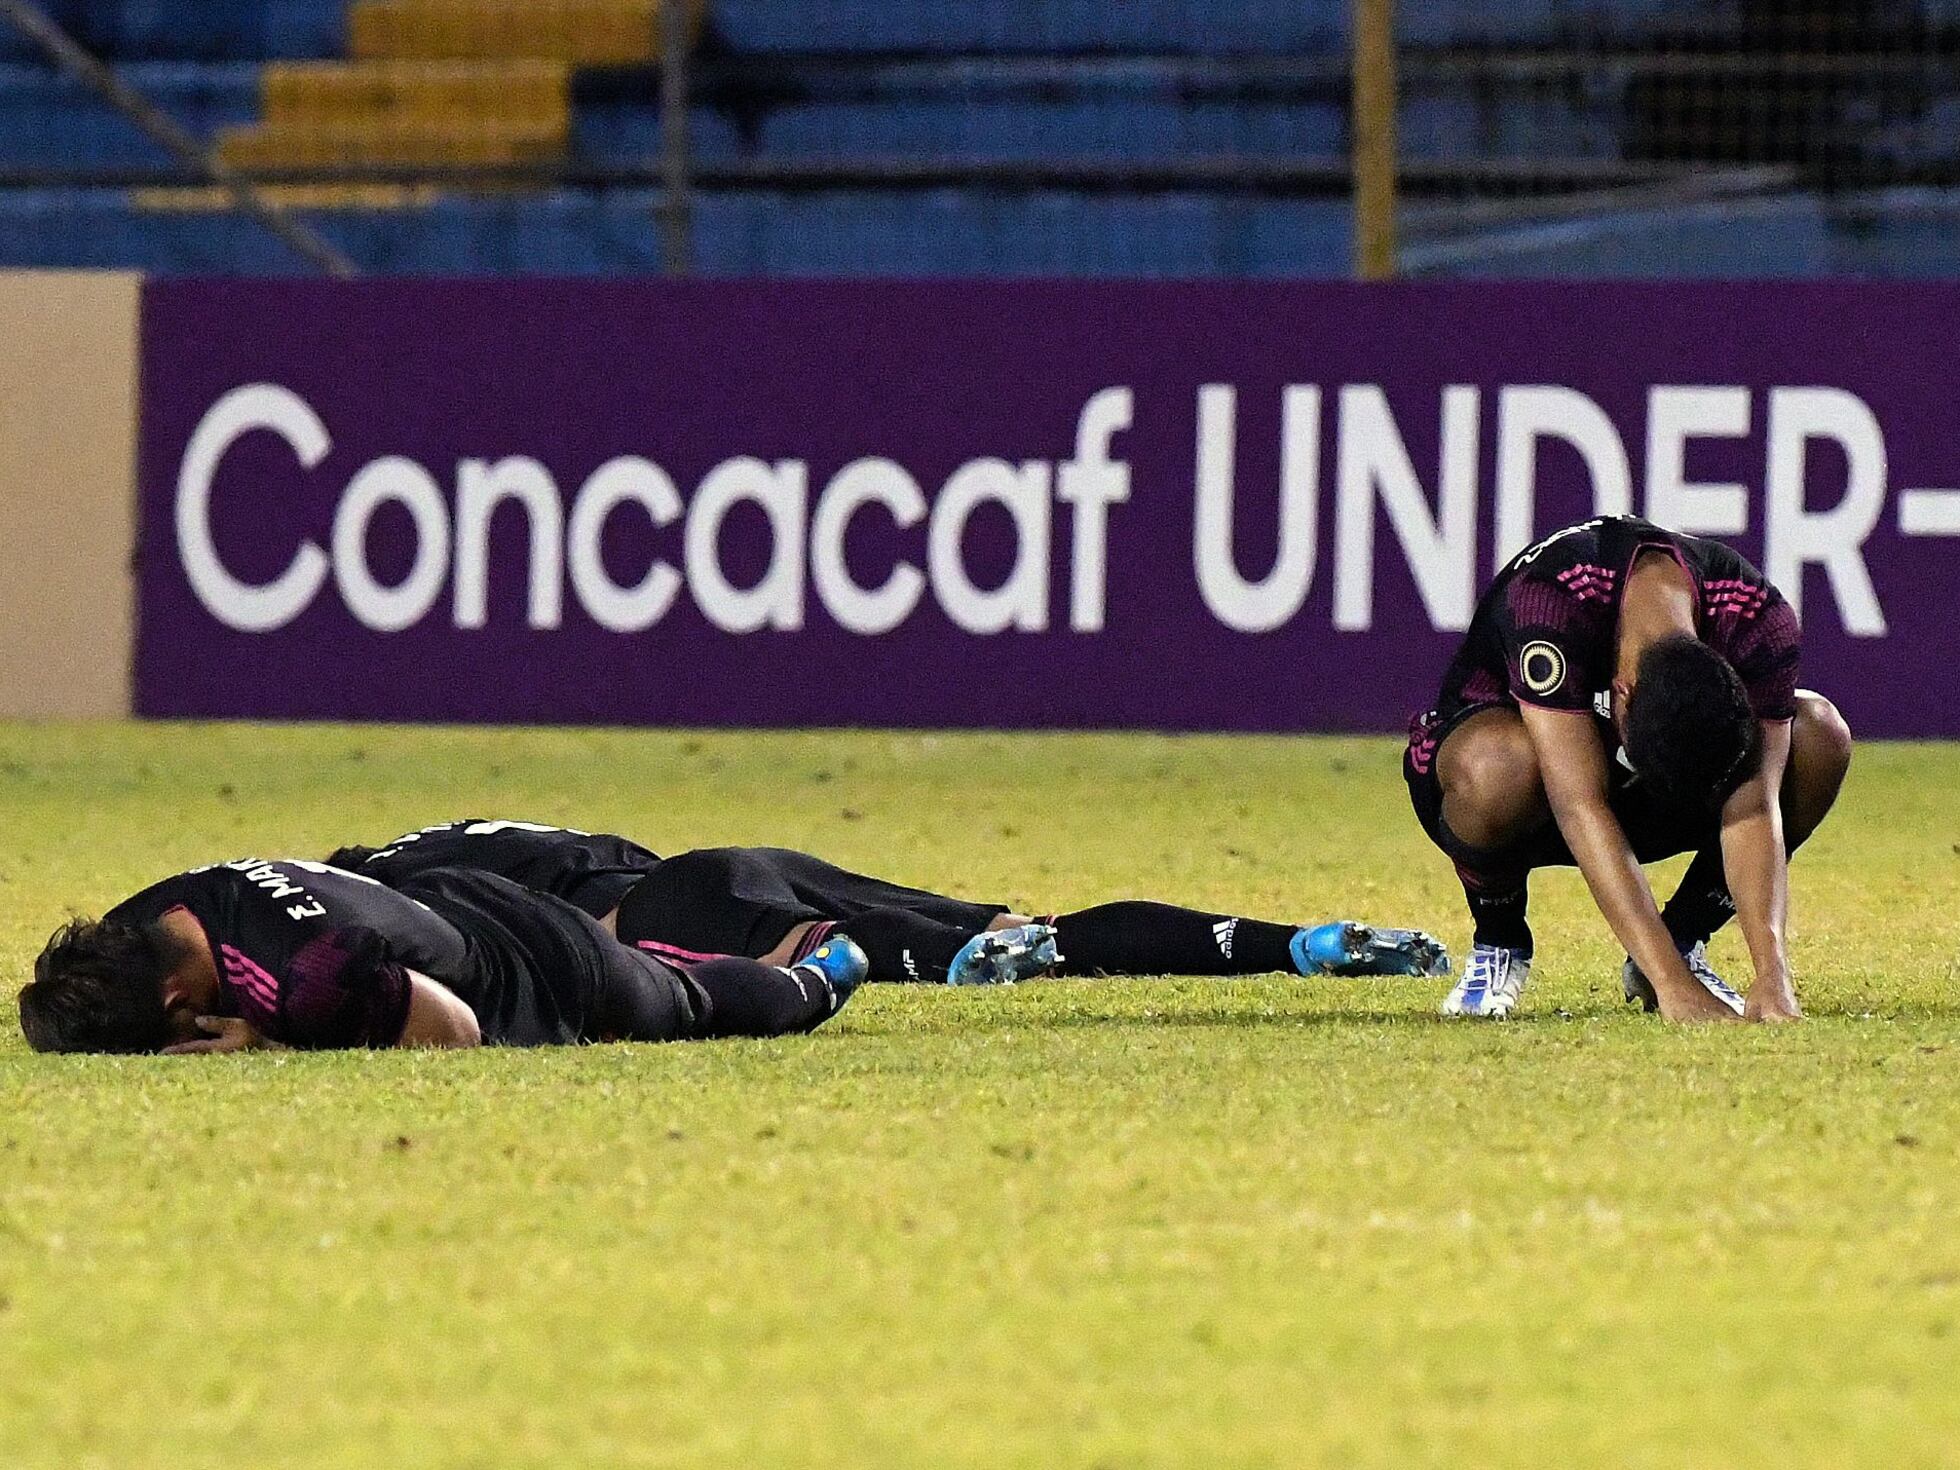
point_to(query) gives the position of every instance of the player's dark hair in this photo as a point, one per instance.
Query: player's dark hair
(97, 986)
(1689, 729)
(349, 859)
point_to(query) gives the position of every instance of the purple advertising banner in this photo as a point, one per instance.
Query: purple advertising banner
(1170, 506)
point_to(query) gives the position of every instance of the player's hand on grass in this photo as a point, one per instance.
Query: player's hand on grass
(1691, 1003)
(1772, 1003)
(225, 1033)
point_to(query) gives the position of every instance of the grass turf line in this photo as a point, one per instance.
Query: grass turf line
(1148, 1223)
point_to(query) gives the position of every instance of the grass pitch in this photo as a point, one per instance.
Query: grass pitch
(1258, 1223)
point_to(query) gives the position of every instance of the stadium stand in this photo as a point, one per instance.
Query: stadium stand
(908, 137)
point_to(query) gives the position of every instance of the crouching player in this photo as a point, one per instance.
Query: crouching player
(298, 954)
(775, 904)
(1624, 694)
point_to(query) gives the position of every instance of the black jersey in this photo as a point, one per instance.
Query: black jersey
(309, 955)
(314, 956)
(592, 871)
(1546, 633)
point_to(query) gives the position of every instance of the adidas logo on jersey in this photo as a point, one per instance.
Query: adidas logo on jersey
(1223, 931)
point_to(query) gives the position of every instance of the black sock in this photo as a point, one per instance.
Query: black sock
(903, 947)
(1702, 904)
(749, 998)
(1139, 938)
(1498, 910)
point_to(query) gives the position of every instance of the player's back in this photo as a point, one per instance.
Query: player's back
(315, 956)
(1546, 630)
(310, 955)
(592, 871)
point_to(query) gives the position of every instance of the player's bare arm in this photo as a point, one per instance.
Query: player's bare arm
(437, 1016)
(1757, 868)
(1573, 762)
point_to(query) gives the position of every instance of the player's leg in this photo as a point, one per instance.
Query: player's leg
(1479, 795)
(644, 999)
(778, 906)
(1820, 755)
(910, 934)
(1140, 937)
(748, 998)
(1134, 938)
(1493, 806)
(909, 948)
(713, 902)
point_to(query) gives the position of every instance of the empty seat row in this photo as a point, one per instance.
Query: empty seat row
(739, 234)
(1894, 234)
(50, 124)
(265, 29)
(1200, 27)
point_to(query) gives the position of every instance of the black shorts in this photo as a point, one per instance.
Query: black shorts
(1654, 829)
(541, 973)
(744, 900)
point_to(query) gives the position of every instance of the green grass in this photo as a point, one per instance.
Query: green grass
(1259, 1223)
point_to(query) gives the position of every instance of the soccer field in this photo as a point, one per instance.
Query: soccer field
(1258, 1223)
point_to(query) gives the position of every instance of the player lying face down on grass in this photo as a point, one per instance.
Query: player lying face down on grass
(1625, 694)
(293, 953)
(776, 905)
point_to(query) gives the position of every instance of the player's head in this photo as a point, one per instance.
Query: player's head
(99, 986)
(1687, 724)
(349, 859)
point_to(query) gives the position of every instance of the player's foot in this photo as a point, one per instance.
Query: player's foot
(1348, 948)
(1491, 983)
(1639, 990)
(838, 965)
(1005, 956)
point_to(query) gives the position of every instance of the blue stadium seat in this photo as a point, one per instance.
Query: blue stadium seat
(1893, 234)
(193, 30)
(1030, 26)
(741, 234)
(989, 108)
(1459, 126)
(1173, 27)
(1104, 130)
(50, 122)
(1079, 129)
(972, 234)
(620, 134)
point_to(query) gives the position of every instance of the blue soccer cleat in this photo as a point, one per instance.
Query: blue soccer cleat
(1005, 956)
(1639, 990)
(838, 965)
(1348, 948)
(1491, 985)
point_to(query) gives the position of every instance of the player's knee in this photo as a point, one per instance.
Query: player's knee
(1492, 789)
(1821, 736)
